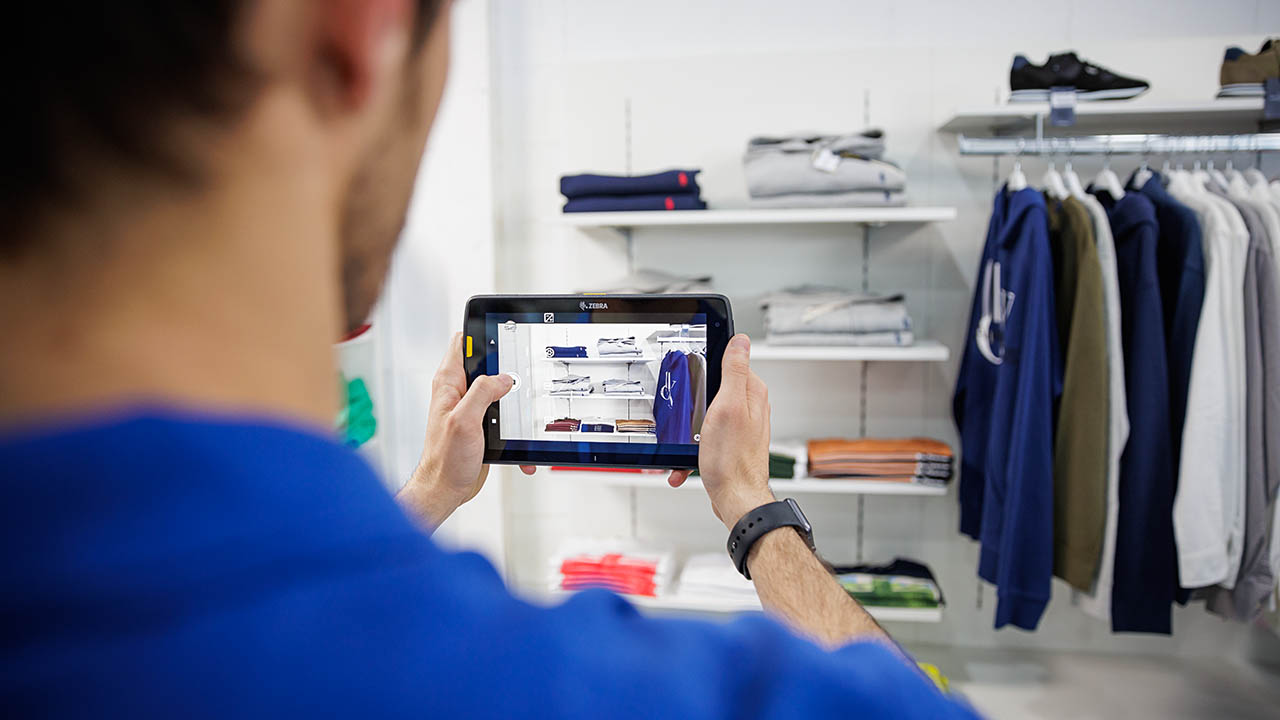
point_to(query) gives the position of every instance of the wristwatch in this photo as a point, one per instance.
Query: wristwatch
(761, 521)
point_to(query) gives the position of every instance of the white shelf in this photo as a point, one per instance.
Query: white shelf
(686, 218)
(600, 360)
(704, 604)
(800, 485)
(615, 433)
(1227, 115)
(922, 351)
(598, 396)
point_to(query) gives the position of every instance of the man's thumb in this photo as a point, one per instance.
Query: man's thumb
(486, 390)
(737, 361)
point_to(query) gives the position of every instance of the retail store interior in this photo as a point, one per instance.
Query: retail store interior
(715, 91)
(1010, 274)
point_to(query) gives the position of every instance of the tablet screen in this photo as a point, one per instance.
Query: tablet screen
(601, 386)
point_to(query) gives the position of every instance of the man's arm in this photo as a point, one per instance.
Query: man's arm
(734, 464)
(451, 470)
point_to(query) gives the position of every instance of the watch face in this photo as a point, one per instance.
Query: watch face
(799, 514)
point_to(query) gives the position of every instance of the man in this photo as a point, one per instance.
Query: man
(199, 197)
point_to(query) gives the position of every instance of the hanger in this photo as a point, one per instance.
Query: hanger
(1252, 175)
(1053, 182)
(1144, 173)
(1215, 174)
(1069, 176)
(1017, 181)
(1108, 180)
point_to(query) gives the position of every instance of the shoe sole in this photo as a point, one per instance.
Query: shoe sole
(1242, 90)
(1039, 95)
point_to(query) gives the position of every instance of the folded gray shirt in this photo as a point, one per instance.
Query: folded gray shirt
(786, 166)
(823, 310)
(868, 143)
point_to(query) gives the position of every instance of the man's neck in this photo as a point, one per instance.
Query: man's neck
(222, 300)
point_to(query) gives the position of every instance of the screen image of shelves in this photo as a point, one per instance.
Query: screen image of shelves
(571, 372)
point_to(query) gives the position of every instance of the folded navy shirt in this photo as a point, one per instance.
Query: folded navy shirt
(664, 183)
(627, 203)
(562, 351)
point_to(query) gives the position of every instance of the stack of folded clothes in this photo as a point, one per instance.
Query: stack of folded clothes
(620, 566)
(782, 466)
(564, 425)
(570, 386)
(563, 351)
(712, 576)
(900, 584)
(670, 190)
(822, 171)
(618, 347)
(616, 386)
(641, 427)
(595, 425)
(788, 459)
(907, 460)
(814, 315)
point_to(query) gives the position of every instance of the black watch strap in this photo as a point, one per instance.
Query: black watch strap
(761, 521)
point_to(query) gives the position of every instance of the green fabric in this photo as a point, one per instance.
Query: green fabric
(890, 591)
(356, 422)
(780, 466)
(1080, 441)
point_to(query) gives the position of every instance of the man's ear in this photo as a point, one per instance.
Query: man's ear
(356, 46)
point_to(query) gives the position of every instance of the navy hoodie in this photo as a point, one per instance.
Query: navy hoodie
(1146, 557)
(1010, 378)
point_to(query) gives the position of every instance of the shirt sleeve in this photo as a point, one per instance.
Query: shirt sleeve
(489, 654)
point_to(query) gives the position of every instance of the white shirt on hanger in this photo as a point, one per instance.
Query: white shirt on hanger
(1208, 512)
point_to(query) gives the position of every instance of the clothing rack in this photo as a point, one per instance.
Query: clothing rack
(1136, 144)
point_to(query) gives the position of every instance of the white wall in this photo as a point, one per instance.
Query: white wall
(446, 254)
(700, 79)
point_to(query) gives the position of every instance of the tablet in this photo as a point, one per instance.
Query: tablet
(600, 380)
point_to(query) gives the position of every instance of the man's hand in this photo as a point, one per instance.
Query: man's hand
(733, 457)
(450, 472)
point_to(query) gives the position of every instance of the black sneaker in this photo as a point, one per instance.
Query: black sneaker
(1031, 83)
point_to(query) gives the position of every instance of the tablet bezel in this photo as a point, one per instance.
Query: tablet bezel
(596, 308)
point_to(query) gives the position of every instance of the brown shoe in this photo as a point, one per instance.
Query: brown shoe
(1243, 75)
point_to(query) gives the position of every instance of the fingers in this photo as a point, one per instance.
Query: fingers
(452, 362)
(528, 469)
(450, 376)
(677, 477)
(486, 390)
(736, 367)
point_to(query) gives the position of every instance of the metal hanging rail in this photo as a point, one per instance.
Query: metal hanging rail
(1121, 144)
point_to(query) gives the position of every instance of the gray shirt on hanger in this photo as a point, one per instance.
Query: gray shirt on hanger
(1262, 425)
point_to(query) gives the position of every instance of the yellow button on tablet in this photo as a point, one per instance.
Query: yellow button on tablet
(468, 346)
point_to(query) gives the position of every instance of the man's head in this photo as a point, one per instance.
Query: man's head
(115, 103)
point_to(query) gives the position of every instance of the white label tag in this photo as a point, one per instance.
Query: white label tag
(1062, 106)
(826, 161)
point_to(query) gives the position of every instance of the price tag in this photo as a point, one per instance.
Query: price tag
(826, 161)
(1062, 106)
(1271, 99)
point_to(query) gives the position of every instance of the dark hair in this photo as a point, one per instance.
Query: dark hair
(102, 78)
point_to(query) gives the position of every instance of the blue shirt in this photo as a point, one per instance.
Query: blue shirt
(1180, 269)
(673, 404)
(1146, 563)
(168, 565)
(1010, 377)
